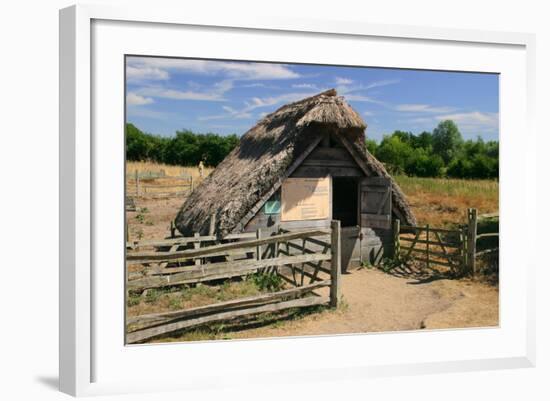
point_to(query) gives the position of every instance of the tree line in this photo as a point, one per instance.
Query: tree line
(186, 148)
(440, 153)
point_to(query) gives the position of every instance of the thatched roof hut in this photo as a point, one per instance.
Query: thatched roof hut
(268, 153)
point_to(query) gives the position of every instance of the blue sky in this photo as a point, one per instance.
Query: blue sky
(164, 95)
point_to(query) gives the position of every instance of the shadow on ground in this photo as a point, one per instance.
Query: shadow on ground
(51, 382)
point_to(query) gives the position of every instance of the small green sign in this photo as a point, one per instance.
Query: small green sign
(272, 207)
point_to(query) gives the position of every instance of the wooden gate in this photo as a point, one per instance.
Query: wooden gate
(432, 246)
(376, 202)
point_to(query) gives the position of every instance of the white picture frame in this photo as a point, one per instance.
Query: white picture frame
(88, 365)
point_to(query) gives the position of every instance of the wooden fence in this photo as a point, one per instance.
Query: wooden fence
(474, 238)
(151, 184)
(430, 245)
(453, 248)
(207, 258)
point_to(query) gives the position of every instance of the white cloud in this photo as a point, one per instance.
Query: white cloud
(384, 82)
(423, 108)
(306, 86)
(145, 73)
(368, 113)
(473, 120)
(350, 91)
(346, 87)
(254, 85)
(255, 103)
(133, 99)
(343, 81)
(232, 70)
(175, 94)
(363, 98)
(214, 93)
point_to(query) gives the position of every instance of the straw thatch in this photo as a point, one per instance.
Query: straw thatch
(264, 156)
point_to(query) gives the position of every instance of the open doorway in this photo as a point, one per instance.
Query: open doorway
(344, 200)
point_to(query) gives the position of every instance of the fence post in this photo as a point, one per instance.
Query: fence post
(212, 225)
(197, 245)
(137, 183)
(258, 247)
(172, 229)
(397, 243)
(191, 184)
(335, 270)
(276, 249)
(428, 245)
(464, 248)
(472, 237)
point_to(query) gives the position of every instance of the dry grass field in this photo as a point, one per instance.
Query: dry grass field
(373, 300)
(172, 171)
(443, 202)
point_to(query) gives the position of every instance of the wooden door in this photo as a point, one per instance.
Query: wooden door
(376, 202)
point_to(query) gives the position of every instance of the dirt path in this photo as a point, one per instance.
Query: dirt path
(376, 301)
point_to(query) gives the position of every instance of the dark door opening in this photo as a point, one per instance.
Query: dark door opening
(344, 200)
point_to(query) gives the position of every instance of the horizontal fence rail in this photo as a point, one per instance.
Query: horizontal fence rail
(453, 248)
(432, 246)
(473, 240)
(283, 253)
(150, 183)
(144, 257)
(147, 333)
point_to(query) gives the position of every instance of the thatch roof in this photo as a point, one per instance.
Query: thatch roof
(265, 154)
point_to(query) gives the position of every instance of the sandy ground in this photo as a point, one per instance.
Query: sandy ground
(375, 301)
(157, 215)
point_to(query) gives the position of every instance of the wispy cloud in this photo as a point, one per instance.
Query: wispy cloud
(473, 120)
(363, 98)
(384, 82)
(213, 93)
(256, 103)
(145, 73)
(368, 113)
(133, 99)
(343, 81)
(423, 108)
(350, 90)
(229, 113)
(306, 86)
(161, 68)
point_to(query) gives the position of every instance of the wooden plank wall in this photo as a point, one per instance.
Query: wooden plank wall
(335, 162)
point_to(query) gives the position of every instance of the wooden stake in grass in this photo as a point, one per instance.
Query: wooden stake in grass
(397, 243)
(335, 270)
(472, 236)
(428, 245)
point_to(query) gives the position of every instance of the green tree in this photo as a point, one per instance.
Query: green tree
(424, 141)
(446, 140)
(371, 145)
(423, 164)
(394, 153)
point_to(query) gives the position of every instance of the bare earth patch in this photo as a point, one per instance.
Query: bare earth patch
(377, 301)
